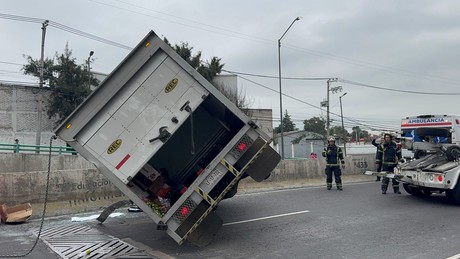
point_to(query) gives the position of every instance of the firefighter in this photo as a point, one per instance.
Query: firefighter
(388, 155)
(378, 166)
(333, 154)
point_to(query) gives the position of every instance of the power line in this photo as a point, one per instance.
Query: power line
(11, 63)
(276, 77)
(394, 90)
(64, 28)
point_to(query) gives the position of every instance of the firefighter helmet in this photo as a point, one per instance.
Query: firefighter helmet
(331, 139)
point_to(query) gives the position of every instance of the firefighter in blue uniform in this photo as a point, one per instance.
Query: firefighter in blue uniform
(334, 156)
(388, 155)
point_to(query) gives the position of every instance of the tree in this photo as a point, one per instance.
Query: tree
(70, 82)
(316, 125)
(340, 132)
(209, 70)
(288, 125)
(359, 133)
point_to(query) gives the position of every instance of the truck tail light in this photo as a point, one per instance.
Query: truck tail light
(241, 146)
(184, 211)
(440, 178)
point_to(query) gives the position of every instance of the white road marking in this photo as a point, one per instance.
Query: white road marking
(454, 257)
(268, 217)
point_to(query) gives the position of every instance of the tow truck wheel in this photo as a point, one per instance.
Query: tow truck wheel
(413, 190)
(419, 154)
(426, 192)
(452, 153)
(407, 188)
(454, 195)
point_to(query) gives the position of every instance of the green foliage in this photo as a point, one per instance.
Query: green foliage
(339, 132)
(70, 82)
(316, 125)
(208, 71)
(288, 125)
(298, 139)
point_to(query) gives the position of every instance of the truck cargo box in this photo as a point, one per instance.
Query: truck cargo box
(169, 140)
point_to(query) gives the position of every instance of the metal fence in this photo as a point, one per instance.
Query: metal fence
(20, 148)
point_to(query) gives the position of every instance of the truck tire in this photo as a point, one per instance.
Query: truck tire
(454, 195)
(419, 154)
(416, 191)
(231, 192)
(453, 153)
(407, 188)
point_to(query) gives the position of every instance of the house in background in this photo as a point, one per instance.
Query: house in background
(300, 143)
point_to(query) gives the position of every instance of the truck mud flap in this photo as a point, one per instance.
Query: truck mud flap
(263, 165)
(205, 232)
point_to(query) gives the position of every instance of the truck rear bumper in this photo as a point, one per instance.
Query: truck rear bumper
(433, 180)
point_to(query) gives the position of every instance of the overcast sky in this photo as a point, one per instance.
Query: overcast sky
(408, 46)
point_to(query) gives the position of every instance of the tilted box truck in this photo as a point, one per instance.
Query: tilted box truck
(169, 140)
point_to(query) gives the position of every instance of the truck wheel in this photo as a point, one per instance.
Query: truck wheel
(454, 195)
(452, 153)
(415, 191)
(231, 192)
(426, 192)
(407, 188)
(419, 154)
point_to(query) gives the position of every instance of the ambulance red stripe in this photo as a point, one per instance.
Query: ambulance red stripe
(425, 124)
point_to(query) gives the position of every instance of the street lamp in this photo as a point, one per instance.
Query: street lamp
(91, 53)
(281, 94)
(343, 128)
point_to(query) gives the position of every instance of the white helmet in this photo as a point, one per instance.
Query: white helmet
(331, 139)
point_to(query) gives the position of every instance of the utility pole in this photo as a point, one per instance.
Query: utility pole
(281, 93)
(39, 96)
(327, 118)
(343, 128)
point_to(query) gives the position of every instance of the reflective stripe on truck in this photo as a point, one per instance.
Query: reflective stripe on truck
(237, 178)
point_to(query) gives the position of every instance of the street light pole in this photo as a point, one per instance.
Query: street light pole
(281, 94)
(343, 128)
(89, 68)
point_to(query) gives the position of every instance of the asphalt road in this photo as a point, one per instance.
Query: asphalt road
(312, 222)
(308, 222)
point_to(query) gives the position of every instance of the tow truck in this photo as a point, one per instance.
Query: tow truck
(435, 168)
(169, 140)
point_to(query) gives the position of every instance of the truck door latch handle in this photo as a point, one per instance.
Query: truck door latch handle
(164, 135)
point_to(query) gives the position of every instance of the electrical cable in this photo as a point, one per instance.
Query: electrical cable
(44, 207)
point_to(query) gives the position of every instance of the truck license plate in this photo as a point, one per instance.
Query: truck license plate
(213, 177)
